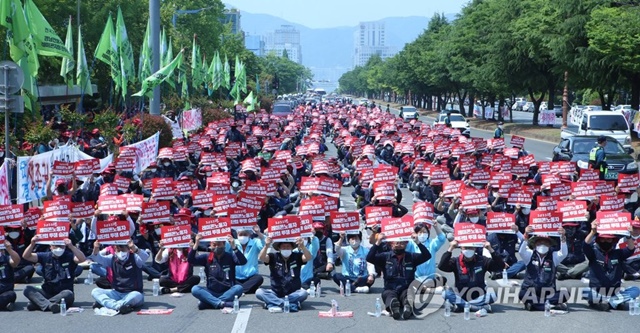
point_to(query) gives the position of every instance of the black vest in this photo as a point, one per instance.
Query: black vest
(58, 273)
(221, 272)
(606, 271)
(285, 275)
(474, 279)
(398, 274)
(6, 273)
(540, 274)
(127, 276)
(321, 259)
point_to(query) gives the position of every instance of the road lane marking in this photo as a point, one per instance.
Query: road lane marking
(242, 319)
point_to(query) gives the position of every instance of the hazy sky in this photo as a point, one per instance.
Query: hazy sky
(335, 13)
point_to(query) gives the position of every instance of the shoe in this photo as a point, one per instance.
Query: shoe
(394, 309)
(294, 308)
(623, 306)
(204, 306)
(362, 290)
(407, 311)
(165, 290)
(561, 306)
(528, 306)
(55, 308)
(96, 305)
(600, 306)
(9, 307)
(487, 308)
(496, 275)
(276, 309)
(125, 309)
(561, 276)
(227, 305)
(32, 307)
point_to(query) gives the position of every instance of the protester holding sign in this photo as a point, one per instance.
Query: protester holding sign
(220, 270)
(58, 267)
(247, 275)
(127, 286)
(355, 269)
(20, 237)
(284, 268)
(575, 264)
(9, 259)
(399, 271)
(179, 278)
(539, 285)
(427, 271)
(605, 271)
(632, 264)
(324, 259)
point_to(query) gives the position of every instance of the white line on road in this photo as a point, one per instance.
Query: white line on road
(242, 319)
(548, 158)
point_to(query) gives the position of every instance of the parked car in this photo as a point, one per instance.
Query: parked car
(528, 107)
(519, 103)
(409, 112)
(282, 108)
(558, 110)
(577, 148)
(595, 123)
(457, 121)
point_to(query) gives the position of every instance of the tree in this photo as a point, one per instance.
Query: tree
(285, 54)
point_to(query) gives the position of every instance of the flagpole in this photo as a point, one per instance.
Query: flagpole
(154, 18)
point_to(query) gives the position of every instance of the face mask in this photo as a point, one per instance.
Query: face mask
(468, 253)
(243, 240)
(526, 210)
(14, 234)
(218, 251)
(474, 219)
(478, 187)
(398, 251)
(207, 212)
(158, 232)
(422, 237)
(152, 170)
(634, 237)
(626, 201)
(319, 234)
(605, 246)
(285, 253)
(500, 127)
(494, 193)
(1, 154)
(542, 249)
(208, 174)
(122, 255)
(57, 251)
(166, 164)
(354, 243)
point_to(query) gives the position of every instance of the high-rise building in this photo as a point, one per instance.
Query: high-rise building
(369, 40)
(287, 37)
(255, 44)
(232, 16)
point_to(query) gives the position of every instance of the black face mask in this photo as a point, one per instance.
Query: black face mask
(218, 251)
(398, 251)
(319, 234)
(605, 246)
(570, 232)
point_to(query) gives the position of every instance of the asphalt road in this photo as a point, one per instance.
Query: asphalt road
(507, 317)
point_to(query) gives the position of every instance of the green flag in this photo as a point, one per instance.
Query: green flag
(83, 77)
(226, 73)
(204, 70)
(47, 42)
(235, 93)
(242, 79)
(107, 51)
(217, 74)
(125, 52)
(146, 56)
(249, 100)
(166, 60)
(21, 44)
(68, 64)
(196, 80)
(158, 77)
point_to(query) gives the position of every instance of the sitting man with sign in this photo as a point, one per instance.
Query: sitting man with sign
(284, 268)
(180, 276)
(9, 259)
(247, 275)
(632, 264)
(355, 269)
(469, 270)
(605, 271)
(58, 266)
(127, 288)
(220, 270)
(399, 273)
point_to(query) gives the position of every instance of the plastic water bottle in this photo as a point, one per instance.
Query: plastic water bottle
(378, 307)
(236, 304)
(632, 307)
(318, 290)
(467, 311)
(505, 279)
(447, 308)
(341, 289)
(63, 307)
(547, 309)
(89, 279)
(286, 306)
(156, 287)
(203, 277)
(347, 289)
(334, 307)
(637, 306)
(312, 290)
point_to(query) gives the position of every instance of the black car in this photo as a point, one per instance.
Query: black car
(282, 108)
(577, 149)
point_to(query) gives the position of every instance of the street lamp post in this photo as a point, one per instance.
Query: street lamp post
(154, 18)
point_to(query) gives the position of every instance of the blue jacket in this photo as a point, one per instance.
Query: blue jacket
(428, 269)
(306, 273)
(354, 262)
(252, 252)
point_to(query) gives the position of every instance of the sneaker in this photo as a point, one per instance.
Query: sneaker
(204, 306)
(407, 310)
(9, 307)
(96, 305)
(600, 306)
(227, 305)
(294, 307)
(623, 306)
(487, 308)
(394, 309)
(276, 309)
(165, 290)
(55, 308)
(561, 276)
(125, 309)
(561, 306)
(528, 306)
(362, 290)
(32, 307)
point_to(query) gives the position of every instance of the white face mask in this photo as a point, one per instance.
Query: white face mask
(243, 240)
(152, 170)
(478, 187)
(158, 231)
(422, 237)
(354, 243)
(57, 251)
(474, 219)
(166, 163)
(208, 174)
(526, 210)
(13, 234)
(468, 253)
(1, 154)
(122, 255)
(207, 212)
(542, 249)
(285, 253)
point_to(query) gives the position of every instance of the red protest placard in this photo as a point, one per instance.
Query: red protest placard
(452, 188)
(572, 210)
(306, 226)
(122, 183)
(108, 189)
(62, 169)
(329, 186)
(82, 210)
(423, 212)
(348, 222)
(255, 188)
(284, 229)
(313, 207)
(500, 222)
(214, 229)
(202, 199)
(545, 223)
(613, 223)
(517, 141)
(439, 175)
(589, 175)
(184, 187)
(330, 203)
(559, 191)
(112, 204)
(480, 176)
(628, 182)
(385, 173)
(134, 202)
(57, 210)
(11, 215)
(176, 236)
(611, 203)
(583, 190)
(497, 177)
(50, 232)
(250, 201)
(605, 188)
(2, 239)
(156, 212)
(473, 198)
(85, 168)
(520, 197)
(243, 219)
(219, 178)
(469, 234)
(113, 232)
(125, 164)
(375, 214)
(546, 203)
(384, 191)
(162, 189)
(222, 204)
(397, 229)
(32, 216)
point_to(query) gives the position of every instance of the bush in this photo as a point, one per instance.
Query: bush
(37, 132)
(210, 114)
(107, 121)
(266, 102)
(151, 124)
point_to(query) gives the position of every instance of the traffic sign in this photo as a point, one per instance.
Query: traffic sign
(14, 103)
(14, 77)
